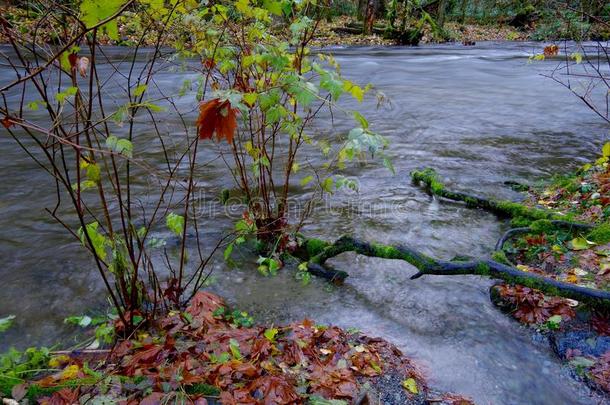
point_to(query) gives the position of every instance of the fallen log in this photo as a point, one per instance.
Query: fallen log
(320, 251)
(429, 178)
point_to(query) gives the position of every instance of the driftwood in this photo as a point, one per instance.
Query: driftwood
(322, 251)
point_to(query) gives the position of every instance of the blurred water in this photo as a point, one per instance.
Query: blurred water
(479, 115)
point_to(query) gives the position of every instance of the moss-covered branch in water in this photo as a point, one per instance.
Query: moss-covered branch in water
(429, 266)
(505, 208)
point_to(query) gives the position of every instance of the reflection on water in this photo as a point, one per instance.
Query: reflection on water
(479, 115)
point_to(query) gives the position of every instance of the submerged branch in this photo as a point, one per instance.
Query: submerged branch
(321, 251)
(505, 208)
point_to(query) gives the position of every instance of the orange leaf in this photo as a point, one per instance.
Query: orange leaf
(218, 117)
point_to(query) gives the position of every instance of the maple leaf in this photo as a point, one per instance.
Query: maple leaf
(216, 116)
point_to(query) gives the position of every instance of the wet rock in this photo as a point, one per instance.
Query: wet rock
(588, 343)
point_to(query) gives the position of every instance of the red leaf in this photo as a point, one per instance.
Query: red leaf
(7, 122)
(218, 117)
(72, 58)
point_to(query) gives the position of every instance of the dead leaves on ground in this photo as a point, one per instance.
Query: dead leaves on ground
(532, 306)
(275, 366)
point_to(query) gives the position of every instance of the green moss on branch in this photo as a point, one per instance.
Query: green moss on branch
(510, 209)
(489, 268)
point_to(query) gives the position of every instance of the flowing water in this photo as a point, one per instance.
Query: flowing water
(479, 115)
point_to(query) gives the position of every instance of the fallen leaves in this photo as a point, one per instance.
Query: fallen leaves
(217, 117)
(532, 306)
(248, 365)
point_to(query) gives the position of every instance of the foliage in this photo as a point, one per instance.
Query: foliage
(95, 170)
(260, 98)
(16, 367)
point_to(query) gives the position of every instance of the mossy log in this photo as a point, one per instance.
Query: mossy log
(429, 178)
(320, 251)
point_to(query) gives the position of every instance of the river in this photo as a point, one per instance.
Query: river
(479, 115)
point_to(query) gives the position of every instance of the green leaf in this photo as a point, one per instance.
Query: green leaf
(361, 120)
(410, 385)
(234, 347)
(175, 223)
(581, 243)
(82, 321)
(316, 400)
(606, 149)
(6, 322)
(274, 7)
(357, 92)
(270, 334)
(94, 11)
(121, 146)
(98, 240)
(327, 184)
(250, 98)
(332, 83)
(64, 58)
(577, 56)
(63, 95)
(139, 90)
(228, 251)
(93, 172)
(387, 162)
(306, 180)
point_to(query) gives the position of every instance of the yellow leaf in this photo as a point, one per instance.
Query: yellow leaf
(70, 372)
(57, 361)
(410, 385)
(250, 98)
(523, 267)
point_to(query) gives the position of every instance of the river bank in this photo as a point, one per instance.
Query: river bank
(338, 31)
(575, 250)
(208, 354)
